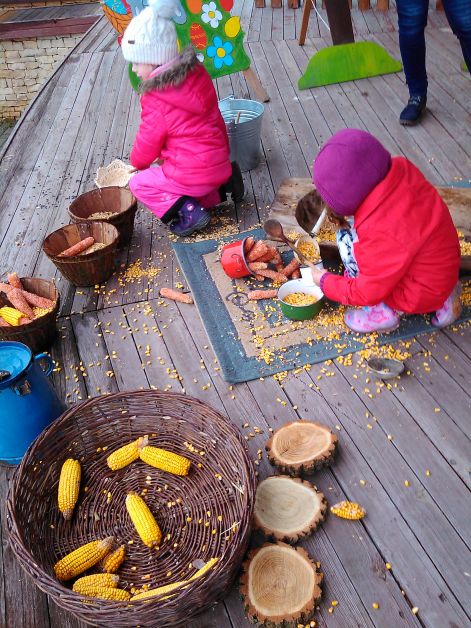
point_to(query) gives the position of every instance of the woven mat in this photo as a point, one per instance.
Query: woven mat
(252, 339)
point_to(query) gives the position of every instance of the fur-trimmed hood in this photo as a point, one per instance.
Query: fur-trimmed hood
(174, 75)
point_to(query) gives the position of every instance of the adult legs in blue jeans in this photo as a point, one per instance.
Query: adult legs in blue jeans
(412, 19)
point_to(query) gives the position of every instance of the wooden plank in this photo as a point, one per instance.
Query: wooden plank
(437, 538)
(25, 606)
(300, 124)
(48, 175)
(66, 26)
(245, 409)
(278, 116)
(416, 446)
(17, 166)
(385, 524)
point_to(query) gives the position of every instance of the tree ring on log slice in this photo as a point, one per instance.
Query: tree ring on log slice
(280, 585)
(301, 447)
(288, 509)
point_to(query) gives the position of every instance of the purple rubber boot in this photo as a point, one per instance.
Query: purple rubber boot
(379, 318)
(191, 217)
(450, 310)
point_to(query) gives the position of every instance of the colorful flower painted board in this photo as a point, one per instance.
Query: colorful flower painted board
(216, 35)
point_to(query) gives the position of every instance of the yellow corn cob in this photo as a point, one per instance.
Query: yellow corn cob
(143, 520)
(165, 460)
(126, 454)
(98, 580)
(10, 315)
(113, 562)
(69, 486)
(348, 510)
(175, 585)
(82, 558)
(106, 593)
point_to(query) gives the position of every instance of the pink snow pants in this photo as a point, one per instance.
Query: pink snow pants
(158, 193)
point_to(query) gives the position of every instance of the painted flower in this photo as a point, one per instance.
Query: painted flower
(211, 15)
(221, 52)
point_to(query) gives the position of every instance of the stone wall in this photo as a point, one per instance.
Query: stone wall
(25, 65)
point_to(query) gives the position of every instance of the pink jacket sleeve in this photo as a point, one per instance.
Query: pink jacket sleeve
(150, 137)
(382, 261)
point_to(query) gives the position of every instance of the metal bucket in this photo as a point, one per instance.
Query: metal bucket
(243, 120)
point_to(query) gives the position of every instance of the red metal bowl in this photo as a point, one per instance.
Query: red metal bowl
(233, 260)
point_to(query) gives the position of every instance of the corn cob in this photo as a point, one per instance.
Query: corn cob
(126, 454)
(82, 558)
(10, 315)
(165, 460)
(113, 562)
(175, 585)
(69, 487)
(348, 510)
(87, 583)
(143, 520)
(105, 593)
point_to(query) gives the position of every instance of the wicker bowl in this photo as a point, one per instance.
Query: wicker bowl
(84, 270)
(219, 493)
(40, 333)
(119, 201)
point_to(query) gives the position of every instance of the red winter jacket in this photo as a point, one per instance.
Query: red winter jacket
(407, 249)
(182, 125)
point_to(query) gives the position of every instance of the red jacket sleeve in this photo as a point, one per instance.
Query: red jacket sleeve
(150, 137)
(382, 262)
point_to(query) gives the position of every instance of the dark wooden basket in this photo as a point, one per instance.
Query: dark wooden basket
(219, 492)
(40, 333)
(84, 270)
(114, 199)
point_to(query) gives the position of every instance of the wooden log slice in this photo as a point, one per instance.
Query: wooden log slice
(301, 447)
(288, 509)
(280, 586)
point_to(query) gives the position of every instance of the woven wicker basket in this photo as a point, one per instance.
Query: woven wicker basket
(39, 536)
(84, 270)
(40, 333)
(114, 199)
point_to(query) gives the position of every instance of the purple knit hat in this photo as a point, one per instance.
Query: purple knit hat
(347, 168)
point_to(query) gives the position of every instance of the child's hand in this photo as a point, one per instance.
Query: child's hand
(317, 275)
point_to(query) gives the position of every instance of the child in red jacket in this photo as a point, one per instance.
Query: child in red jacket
(397, 240)
(181, 126)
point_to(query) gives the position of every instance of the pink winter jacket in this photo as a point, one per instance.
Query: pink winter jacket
(182, 125)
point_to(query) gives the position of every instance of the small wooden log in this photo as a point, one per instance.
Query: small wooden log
(280, 586)
(288, 509)
(301, 447)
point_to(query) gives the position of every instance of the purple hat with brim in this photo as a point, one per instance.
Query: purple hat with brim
(348, 167)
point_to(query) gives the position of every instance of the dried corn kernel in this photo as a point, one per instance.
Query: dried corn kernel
(299, 298)
(348, 510)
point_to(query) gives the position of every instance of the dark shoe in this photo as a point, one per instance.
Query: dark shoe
(234, 186)
(413, 111)
(191, 217)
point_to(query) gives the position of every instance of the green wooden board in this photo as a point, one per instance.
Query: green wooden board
(216, 35)
(347, 62)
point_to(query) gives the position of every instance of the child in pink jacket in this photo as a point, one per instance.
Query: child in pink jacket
(181, 126)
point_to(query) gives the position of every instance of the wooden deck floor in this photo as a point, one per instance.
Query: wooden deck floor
(419, 430)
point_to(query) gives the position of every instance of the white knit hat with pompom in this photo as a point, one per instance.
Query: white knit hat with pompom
(151, 36)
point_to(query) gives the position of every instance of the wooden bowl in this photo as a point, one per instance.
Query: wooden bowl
(40, 333)
(84, 270)
(120, 201)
